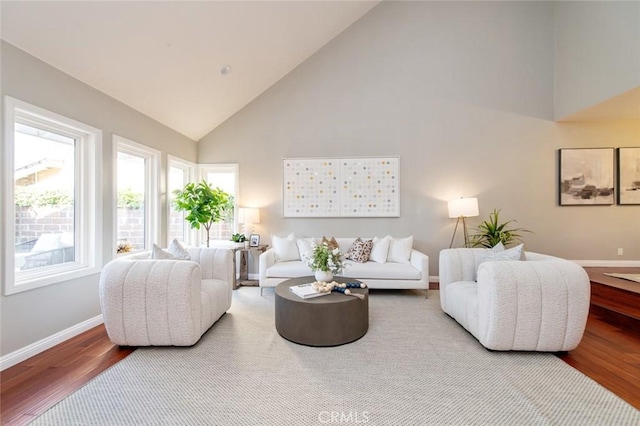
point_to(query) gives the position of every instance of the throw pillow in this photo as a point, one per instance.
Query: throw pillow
(360, 250)
(514, 253)
(179, 252)
(332, 243)
(400, 249)
(380, 249)
(158, 254)
(285, 248)
(498, 247)
(305, 247)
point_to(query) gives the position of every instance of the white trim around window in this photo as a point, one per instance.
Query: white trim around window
(151, 158)
(87, 197)
(189, 174)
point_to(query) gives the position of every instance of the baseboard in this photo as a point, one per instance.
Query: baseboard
(434, 278)
(27, 352)
(608, 263)
(254, 277)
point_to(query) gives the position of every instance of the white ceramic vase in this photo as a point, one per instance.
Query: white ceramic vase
(324, 276)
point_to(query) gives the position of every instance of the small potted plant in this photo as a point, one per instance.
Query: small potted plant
(325, 261)
(240, 238)
(491, 232)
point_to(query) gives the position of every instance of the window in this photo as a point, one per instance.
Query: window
(51, 197)
(137, 195)
(225, 177)
(181, 172)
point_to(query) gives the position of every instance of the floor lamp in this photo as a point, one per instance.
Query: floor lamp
(461, 208)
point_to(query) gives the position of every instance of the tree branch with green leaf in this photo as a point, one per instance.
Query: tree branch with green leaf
(204, 204)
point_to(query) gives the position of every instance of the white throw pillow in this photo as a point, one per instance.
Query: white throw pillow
(158, 254)
(286, 248)
(400, 249)
(179, 252)
(304, 248)
(380, 249)
(498, 247)
(514, 253)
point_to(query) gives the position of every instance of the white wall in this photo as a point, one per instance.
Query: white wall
(463, 93)
(597, 52)
(30, 316)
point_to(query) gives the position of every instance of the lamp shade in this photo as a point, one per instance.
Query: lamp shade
(465, 207)
(249, 215)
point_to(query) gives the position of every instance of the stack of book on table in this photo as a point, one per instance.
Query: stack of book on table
(306, 291)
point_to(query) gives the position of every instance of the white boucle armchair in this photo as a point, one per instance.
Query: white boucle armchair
(539, 304)
(165, 302)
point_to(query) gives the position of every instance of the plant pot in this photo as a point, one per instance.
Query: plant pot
(324, 276)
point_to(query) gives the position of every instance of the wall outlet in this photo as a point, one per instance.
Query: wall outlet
(620, 252)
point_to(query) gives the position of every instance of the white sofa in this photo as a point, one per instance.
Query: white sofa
(165, 302)
(414, 274)
(539, 304)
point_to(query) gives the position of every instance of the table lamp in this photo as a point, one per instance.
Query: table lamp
(248, 216)
(461, 208)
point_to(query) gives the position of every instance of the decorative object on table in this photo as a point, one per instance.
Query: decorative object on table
(254, 240)
(238, 238)
(491, 232)
(248, 216)
(308, 290)
(325, 261)
(341, 187)
(628, 176)
(461, 208)
(123, 247)
(320, 288)
(204, 204)
(586, 176)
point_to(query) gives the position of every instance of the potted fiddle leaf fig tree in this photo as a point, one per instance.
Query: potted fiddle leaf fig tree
(205, 205)
(491, 232)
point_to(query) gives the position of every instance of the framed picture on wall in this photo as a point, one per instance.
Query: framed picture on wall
(628, 175)
(254, 240)
(586, 177)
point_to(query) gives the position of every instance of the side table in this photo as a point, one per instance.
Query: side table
(243, 279)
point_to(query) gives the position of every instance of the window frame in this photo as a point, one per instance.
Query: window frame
(87, 197)
(152, 187)
(190, 173)
(203, 169)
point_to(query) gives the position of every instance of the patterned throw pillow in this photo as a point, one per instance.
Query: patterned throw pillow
(360, 251)
(332, 243)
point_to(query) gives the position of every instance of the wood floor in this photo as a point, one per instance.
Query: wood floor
(32, 386)
(608, 353)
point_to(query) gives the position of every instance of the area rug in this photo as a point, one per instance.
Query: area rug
(629, 277)
(415, 366)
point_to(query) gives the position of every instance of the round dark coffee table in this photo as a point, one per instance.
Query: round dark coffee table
(330, 320)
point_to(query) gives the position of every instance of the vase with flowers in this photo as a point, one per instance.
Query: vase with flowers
(325, 261)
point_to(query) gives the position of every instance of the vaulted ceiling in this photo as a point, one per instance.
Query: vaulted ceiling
(189, 65)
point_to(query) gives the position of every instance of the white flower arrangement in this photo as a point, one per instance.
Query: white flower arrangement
(325, 258)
